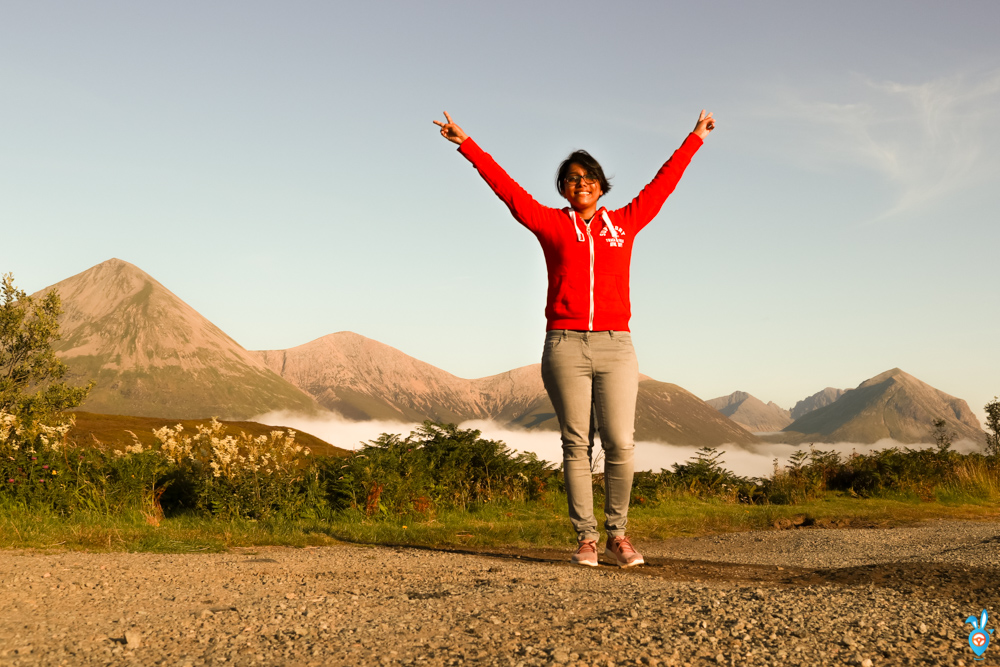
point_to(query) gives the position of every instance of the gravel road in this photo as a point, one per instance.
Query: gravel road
(794, 597)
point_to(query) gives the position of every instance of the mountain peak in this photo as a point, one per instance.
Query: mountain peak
(115, 262)
(818, 400)
(733, 399)
(155, 355)
(890, 374)
(751, 412)
(115, 300)
(893, 404)
(114, 266)
(98, 291)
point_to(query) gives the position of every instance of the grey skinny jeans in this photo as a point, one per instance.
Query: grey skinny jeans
(581, 370)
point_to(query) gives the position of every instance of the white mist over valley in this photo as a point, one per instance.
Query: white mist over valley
(745, 460)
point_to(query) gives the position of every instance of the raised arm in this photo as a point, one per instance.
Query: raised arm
(641, 210)
(522, 205)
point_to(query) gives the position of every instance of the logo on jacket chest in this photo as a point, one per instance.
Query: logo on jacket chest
(614, 242)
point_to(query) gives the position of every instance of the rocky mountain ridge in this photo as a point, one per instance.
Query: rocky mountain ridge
(362, 379)
(893, 405)
(153, 355)
(752, 413)
(818, 400)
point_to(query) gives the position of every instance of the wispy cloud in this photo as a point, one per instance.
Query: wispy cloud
(929, 140)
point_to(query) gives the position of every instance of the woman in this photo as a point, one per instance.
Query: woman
(589, 366)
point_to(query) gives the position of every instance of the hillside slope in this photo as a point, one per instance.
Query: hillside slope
(892, 405)
(363, 379)
(154, 355)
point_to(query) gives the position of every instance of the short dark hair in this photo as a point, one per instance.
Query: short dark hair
(589, 164)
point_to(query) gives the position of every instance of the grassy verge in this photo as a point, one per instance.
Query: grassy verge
(440, 486)
(539, 524)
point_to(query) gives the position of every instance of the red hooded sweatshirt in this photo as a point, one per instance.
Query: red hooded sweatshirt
(588, 264)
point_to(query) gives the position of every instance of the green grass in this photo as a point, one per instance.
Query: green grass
(537, 524)
(132, 531)
(692, 518)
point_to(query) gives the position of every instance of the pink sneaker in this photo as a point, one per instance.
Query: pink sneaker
(586, 553)
(622, 551)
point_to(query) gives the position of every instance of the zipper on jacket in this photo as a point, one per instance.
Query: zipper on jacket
(590, 239)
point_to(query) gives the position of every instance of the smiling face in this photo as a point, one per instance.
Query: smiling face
(582, 190)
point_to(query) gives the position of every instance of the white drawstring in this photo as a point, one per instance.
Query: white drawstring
(607, 221)
(576, 227)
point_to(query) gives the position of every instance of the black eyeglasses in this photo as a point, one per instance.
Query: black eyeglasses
(576, 179)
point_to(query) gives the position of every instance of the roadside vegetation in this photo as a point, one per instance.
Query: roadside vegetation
(439, 486)
(211, 486)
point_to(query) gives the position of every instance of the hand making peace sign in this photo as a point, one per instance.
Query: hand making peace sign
(455, 135)
(450, 131)
(705, 124)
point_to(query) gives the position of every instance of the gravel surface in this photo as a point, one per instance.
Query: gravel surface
(797, 597)
(960, 542)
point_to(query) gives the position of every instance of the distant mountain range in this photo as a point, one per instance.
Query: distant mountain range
(153, 355)
(892, 405)
(363, 379)
(751, 413)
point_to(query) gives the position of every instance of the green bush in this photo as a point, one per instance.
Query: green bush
(29, 369)
(925, 474)
(39, 469)
(702, 476)
(438, 466)
(993, 427)
(806, 476)
(920, 473)
(231, 476)
(237, 476)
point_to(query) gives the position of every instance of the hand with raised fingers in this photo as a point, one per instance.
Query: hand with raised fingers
(450, 131)
(705, 124)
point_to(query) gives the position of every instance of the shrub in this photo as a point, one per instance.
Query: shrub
(993, 427)
(237, 476)
(228, 476)
(39, 468)
(29, 370)
(943, 438)
(701, 476)
(437, 466)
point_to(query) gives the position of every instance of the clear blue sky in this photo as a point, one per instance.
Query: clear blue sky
(275, 165)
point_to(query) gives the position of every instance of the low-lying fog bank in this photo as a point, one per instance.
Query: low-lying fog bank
(747, 461)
